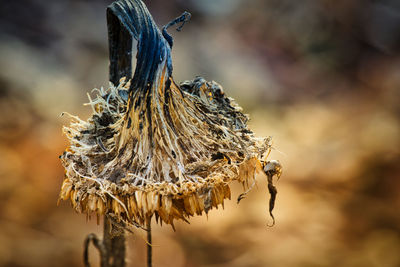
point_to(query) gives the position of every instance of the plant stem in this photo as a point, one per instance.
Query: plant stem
(149, 245)
(114, 242)
(111, 248)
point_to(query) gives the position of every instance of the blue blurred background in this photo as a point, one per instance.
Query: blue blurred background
(321, 77)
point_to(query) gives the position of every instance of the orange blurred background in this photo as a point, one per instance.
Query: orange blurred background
(321, 77)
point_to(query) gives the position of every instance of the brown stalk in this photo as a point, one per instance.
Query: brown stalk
(111, 248)
(149, 245)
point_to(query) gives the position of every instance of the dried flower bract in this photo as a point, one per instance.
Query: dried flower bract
(152, 147)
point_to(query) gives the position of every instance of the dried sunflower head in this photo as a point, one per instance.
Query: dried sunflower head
(153, 147)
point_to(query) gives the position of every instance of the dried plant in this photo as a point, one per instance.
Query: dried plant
(153, 147)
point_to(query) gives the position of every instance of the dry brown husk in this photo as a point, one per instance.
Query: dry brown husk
(172, 156)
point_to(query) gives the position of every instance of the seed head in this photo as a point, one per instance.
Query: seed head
(153, 147)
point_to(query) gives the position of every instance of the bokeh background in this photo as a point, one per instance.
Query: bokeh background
(321, 77)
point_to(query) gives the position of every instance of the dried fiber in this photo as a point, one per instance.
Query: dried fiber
(153, 147)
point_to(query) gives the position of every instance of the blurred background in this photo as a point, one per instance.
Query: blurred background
(321, 77)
